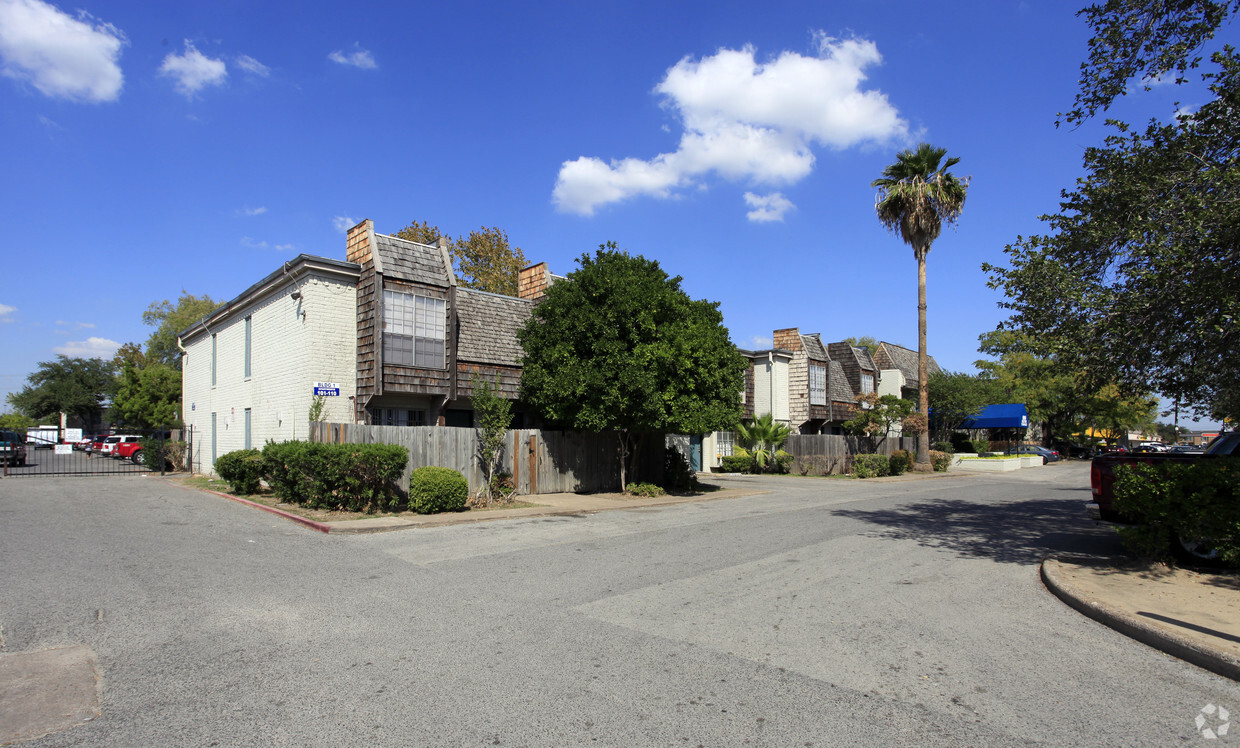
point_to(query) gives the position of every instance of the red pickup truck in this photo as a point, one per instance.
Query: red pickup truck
(1102, 470)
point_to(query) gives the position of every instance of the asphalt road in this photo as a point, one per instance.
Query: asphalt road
(824, 613)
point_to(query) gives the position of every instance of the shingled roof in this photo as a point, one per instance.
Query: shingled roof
(412, 261)
(812, 343)
(488, 326)
(905, 360)
(838, 389)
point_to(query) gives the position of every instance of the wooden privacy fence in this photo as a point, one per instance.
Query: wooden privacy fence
(539, 461)
(832, 453)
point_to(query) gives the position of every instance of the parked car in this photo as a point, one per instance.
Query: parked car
(12, 448)
(1047, 455)
(83, 444)
(1149, 447)
(1186, 449)
(96, 446)
(128, 448)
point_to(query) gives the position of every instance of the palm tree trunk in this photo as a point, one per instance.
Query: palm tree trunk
(923, 378)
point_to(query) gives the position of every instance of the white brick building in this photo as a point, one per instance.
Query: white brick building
(249, 367)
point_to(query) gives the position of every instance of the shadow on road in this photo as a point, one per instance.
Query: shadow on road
(1020, 532)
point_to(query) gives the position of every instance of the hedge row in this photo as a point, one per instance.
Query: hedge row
(350, 477)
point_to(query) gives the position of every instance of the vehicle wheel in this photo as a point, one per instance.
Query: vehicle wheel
(1199, 551)
(137, 458)
(1043, 460)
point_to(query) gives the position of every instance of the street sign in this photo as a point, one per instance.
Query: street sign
(326, 389)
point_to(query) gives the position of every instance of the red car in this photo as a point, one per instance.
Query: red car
(96, 444)
(125, 448)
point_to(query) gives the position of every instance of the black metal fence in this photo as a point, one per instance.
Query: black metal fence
(128, 452)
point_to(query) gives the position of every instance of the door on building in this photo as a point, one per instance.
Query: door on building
(695, 453)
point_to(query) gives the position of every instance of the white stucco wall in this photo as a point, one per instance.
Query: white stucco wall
(294, 343)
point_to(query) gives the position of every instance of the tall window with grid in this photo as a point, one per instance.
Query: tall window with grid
(817, 384)
(413, 330)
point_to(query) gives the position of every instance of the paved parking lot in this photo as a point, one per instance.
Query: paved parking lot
(825, 612)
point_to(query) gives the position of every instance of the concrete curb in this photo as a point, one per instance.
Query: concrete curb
(319, 526)
(1160, 639)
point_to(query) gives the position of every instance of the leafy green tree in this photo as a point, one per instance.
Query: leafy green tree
(78, 387)
(620, 346)
(956, 397)
(1145, 41)
(916, 196)
(493, 415)
(762, 437)
(423, 233)
(1135, 281)
(866, 341)
(169, 319)
(486, 261)
(149, 397)
(16, 421)
(878, 415)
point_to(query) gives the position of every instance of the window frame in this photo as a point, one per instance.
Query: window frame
(421, 324)
(822, 391)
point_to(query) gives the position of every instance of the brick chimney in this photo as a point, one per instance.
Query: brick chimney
(357, 246)
(532, 281)
(788, 339)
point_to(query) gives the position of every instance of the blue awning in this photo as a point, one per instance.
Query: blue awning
(1010, 416)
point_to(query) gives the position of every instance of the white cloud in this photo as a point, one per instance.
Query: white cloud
(359, 58)
(89, 348)
(76, 325)
(6, 312)
(249, 243)
(252, 66)
(193, 70)
(62, 56)
(253, 211)
(767, 207)
(746, 121)
(344, 223)
(760, 342)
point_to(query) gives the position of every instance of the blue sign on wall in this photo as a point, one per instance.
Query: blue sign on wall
(326, 389)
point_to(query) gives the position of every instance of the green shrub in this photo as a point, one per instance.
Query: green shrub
(173, 454)
(1189, 500)
(678, 474)
(437, 489)
(243, 469)
(351, 477)
(644, 489)
(781, 463)
(980, 446)
(900, 462)
(871, 466)
(740, 461)
(943, 447)
(941, 461)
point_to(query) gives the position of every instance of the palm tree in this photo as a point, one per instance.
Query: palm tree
(916, 196)
(763, 437)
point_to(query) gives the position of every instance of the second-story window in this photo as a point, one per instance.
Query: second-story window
(817, 384)
(248, 321)
(413, 330)
(867, 383)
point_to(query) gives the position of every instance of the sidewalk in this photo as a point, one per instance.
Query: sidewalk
(1194, 616)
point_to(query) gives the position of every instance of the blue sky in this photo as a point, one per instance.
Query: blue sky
(155, 147)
